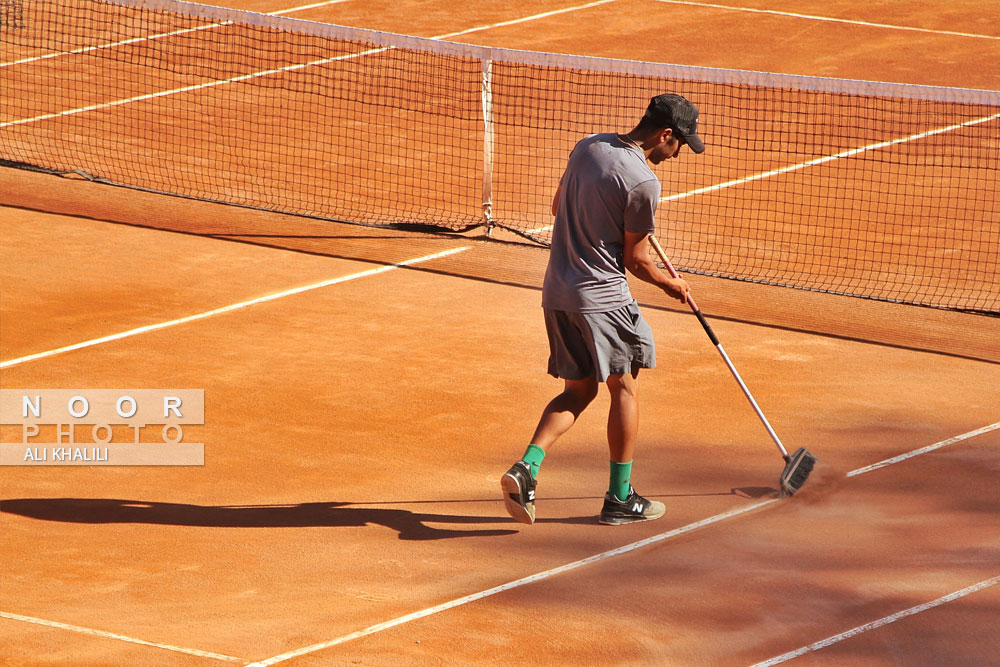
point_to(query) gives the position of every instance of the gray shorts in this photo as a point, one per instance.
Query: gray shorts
(598, 345)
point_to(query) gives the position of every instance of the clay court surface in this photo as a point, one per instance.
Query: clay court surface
(348, 511)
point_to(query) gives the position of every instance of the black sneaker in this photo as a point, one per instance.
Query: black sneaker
(634, 508)
(519, 492)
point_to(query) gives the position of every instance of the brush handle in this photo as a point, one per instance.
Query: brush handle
(718, 346)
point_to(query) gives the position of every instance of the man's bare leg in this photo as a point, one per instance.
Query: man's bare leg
(562, 411)
(560, 414)
(623, 417)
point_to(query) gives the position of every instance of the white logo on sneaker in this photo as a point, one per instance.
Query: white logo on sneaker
(531, 495)
(637, 508)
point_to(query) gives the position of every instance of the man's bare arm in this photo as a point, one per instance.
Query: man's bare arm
(640, 264)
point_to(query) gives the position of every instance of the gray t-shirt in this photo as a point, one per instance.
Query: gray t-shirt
(606, 190)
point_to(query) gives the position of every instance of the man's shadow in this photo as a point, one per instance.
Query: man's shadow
(409, 525)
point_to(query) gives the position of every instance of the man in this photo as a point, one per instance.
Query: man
(604, 213)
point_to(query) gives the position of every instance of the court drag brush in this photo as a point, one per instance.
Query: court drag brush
(797, 465)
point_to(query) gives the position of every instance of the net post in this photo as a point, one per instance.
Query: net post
(487, 99)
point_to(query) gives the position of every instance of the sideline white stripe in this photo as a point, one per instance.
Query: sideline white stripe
(197, 86)
(148, 38)
(830, 158)
(111, 635)
(829, 19)
(288, 11)
(636, 545)
(125, 42)
(879, 623)
(508, 586)
(811, 163)
(232, 307)
(924, 450)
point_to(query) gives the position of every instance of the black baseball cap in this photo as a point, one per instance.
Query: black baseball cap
(679, 115)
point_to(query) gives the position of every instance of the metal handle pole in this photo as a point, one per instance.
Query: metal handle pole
(718, 346)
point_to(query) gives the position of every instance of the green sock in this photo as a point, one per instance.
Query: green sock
(533, 456)
(620, 475)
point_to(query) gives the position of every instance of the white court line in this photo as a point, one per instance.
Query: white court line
(135, 40)
(207, 26)
(112, 635)
(879, 623)
(533, 17)
(539, 230)
(511, 585)
(302, 8)
(631, 547)
(924, 450)
(829, 19)
(830, 158)
(811, 163)
(230, 308)
(109, 45)
(197, 86)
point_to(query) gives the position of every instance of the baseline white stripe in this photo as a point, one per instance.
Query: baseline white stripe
(879, 623)
(829, 19)
(112, 635)
(302, 8)
(230, 308)
(830, 158)
(924, 450)
(509, 586)
(533, 17)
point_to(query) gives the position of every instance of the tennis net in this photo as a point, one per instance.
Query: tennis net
(875, 190)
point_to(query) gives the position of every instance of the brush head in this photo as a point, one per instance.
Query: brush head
(796, 472)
